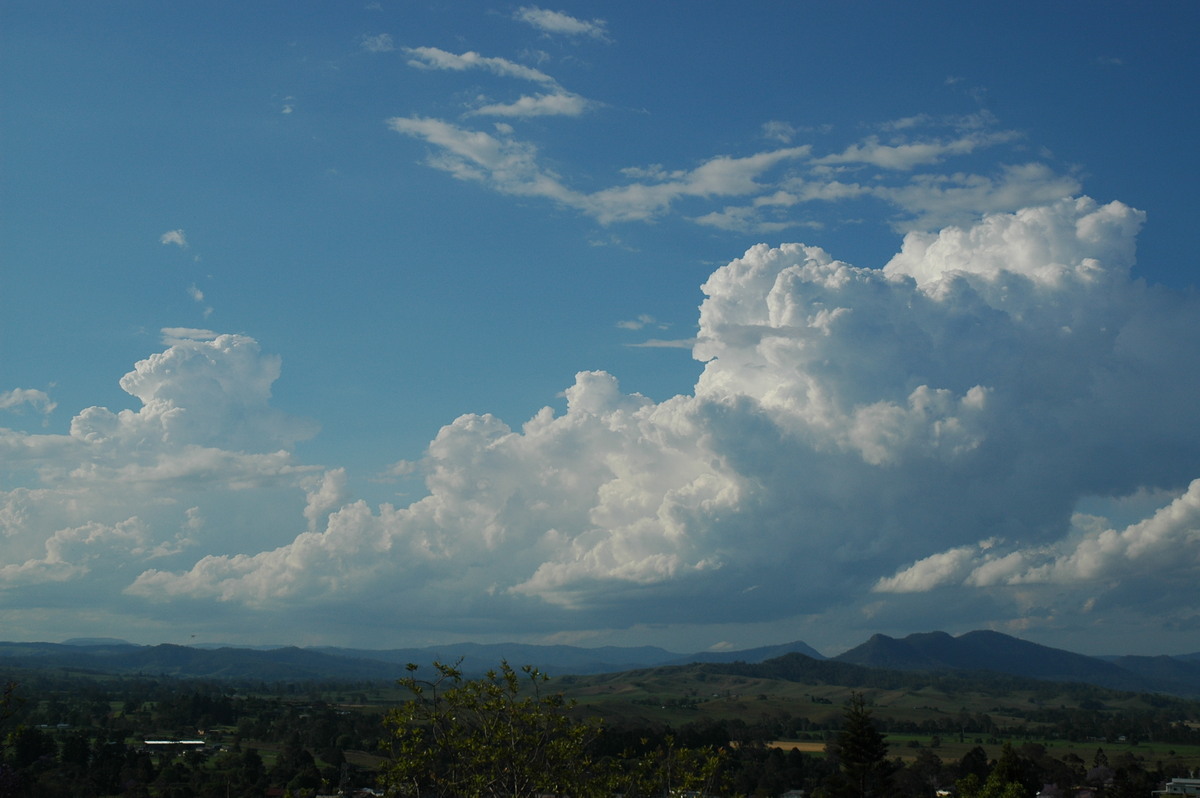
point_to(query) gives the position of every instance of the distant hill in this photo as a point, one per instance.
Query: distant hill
(282, 664)
(288, 663)
(881, 660)
(1179, 675)
(1000, 653)
(751, 654)
(479, 657)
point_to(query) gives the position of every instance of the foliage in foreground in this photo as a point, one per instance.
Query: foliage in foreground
(501, 735)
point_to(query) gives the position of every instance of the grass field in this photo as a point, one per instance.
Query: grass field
(677, 696)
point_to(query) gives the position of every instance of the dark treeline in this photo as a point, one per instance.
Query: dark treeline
(84, 735)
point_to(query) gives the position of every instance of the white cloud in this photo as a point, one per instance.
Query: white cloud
(379, 43)
(198, 392)
(852, 428)
(860, 440)
(779, 131)
(641, 321)
(721, 176)
(559, 23)
(907, 155)
(934, 201)
(906, 160)
(203, 461)
(774, 182)
(936, 570)
(436, 58)
(511, 166)
(555, 104)
(17, 397)
(1161, 550)
(176, 335)
(176, 237)
(660, 343)
(70, 553)
(508, 165)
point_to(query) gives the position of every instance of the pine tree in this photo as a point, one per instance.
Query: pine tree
(861, 753)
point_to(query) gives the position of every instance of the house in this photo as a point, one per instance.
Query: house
(1180, 787)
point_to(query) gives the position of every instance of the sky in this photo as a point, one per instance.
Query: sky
(693, 324)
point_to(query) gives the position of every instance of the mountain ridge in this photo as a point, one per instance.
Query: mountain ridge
(977, 652)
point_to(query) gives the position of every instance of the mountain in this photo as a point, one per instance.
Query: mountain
(288, 663)
(561, 660)
(751, 654)
(1178, 675)
(879, 660)
(993, 651)
(281, 664)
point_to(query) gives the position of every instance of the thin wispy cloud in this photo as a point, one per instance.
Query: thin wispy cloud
(908, 155)
(556, 101)
(437, 58)
(559, 23)
(378, 43)
(662, 343)
(779, 131)
(557, 104)
(924, 199)
(512, 167)
(641, 321)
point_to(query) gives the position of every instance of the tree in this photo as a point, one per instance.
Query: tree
(668, 770)
(1003, 782)
(495, 736)
(861, 753)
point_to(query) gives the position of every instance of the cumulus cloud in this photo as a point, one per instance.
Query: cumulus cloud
(132, 486)
(17, 398)
(556, 22)
(860, 440)
(68, 552)
(934, 423)
(1161, 550)
(198, 392)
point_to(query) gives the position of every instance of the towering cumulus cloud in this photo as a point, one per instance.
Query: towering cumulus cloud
(856, 434)
(88, 510)
(859, 439)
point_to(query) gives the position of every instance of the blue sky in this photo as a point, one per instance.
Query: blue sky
(696, 324)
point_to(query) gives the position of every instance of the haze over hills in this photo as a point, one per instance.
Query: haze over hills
(978, 652)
